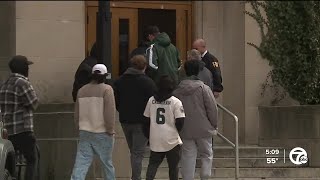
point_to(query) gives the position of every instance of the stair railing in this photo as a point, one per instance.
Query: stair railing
(236, 144)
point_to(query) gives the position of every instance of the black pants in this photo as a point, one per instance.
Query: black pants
(156, 158)
(25, 143)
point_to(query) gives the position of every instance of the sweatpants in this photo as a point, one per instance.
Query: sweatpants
(190, 149)
(156, 158)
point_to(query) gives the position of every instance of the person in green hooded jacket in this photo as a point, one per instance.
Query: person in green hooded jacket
(163, 57)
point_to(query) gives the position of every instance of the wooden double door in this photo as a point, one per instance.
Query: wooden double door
(129, 20)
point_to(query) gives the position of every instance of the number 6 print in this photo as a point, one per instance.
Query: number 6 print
(160, 119)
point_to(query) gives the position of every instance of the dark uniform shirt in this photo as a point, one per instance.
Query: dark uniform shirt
(212, 64)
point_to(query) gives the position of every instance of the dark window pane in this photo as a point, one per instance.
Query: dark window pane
(163, 18)
(123, 45)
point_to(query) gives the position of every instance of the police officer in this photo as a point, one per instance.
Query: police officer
(212, 64)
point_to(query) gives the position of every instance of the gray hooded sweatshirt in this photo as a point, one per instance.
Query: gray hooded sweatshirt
(200, 108)
(204, 75)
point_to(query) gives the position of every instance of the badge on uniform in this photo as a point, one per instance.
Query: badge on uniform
(215, 64)
(181, 109)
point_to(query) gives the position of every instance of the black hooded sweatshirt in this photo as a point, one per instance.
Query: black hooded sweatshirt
(132, 92)
(141, 50)
(83, 73)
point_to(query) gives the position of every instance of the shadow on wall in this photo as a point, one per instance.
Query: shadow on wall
(271, 95)
(49, 91)
(41, 89)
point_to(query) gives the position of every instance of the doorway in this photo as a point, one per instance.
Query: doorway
(129, 20)
(164, 19)
(123, 38)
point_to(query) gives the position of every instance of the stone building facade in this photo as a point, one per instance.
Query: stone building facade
(53, 34)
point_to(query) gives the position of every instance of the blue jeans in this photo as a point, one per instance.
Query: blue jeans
(100, 144)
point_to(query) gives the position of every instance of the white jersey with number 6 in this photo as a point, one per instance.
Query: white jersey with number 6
(164, 135)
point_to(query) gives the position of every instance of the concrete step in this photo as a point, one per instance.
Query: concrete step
(246, 179)
(243, 178)
(230, 163)
(290, 173)
(249, 179)
(222, 151)
(58, 125)
(55, 107)
(61, 125)
(251, 151)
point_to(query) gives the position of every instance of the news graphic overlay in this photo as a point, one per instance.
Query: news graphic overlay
(298, 156)
(275, 156)
(278, 156)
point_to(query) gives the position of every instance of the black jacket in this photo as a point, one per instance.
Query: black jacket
(83, 73)
(213, 65)
(141, 50)
(132, 92)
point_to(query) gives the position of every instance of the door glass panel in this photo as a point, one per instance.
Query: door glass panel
(123, 45)
(156, 17)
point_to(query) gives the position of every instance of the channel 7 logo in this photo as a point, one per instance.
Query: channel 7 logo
(298, 156)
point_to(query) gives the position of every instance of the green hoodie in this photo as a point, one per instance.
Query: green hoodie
(164, 58)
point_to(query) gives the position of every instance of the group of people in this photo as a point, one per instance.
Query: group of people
(161, 102)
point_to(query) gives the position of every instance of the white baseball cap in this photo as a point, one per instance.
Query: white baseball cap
(101, 68)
